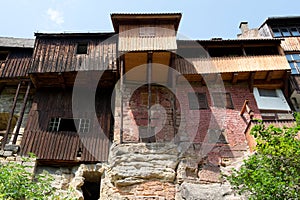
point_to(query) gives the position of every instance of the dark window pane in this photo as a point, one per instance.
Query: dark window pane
(276, 32)
(216, 136)
(285, 32)
(267, 93)
(147, 135)
(294, 31)
(82, 48)
(197, 101)
(296, 56)
(222, 100)
(289, 57)
(293, 68)
(3, 55)
(67, 125)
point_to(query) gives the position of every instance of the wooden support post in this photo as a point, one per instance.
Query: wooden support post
(247, 109)
(20, 120)
(4, 140)
(61, 80)
(286, 84)
(235, 78)
(122, 93)
(269, 76)
(149, 78)
(251, 81)
(2, 86)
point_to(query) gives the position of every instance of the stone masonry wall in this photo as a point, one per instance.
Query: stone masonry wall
(6, 102)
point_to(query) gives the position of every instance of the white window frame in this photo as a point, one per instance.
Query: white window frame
(83, 124)
(278, 103)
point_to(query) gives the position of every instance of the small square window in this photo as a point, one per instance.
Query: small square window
(82, 48)
(147, 31)
(267, 93)
(54, 124)
(222, 100)
(216, 136)
(197, 101)
(3, 55)
(294, 31)
(276, 32)
(84, 125)
(144, 98)
(285, 32)
(147, 134)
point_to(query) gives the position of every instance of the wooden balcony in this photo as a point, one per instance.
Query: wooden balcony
(277, 123)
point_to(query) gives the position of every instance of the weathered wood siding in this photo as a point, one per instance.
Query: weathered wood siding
(58, 54)
(231, 64)
(164, 38)
(291, 44)
(17, 64)
(64, 146)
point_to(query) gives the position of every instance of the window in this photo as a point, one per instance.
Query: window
(65, 124)
(54, 124)
(286, 31)
(294, 61)
(276, 32)
(197, 101)
(145, 136)
(144, 98)
(82, 48)
(3, 55)
(294, 32)
(147, 31)
(222, 100)
(267, 93)
(216, 136)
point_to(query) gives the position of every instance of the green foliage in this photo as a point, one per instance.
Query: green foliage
(273, 172)
(18, 183)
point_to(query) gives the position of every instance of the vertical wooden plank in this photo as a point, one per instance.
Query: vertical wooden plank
(20, 120)
(4, 140)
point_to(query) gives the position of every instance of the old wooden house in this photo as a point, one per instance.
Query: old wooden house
(15, 87)
(138, 113)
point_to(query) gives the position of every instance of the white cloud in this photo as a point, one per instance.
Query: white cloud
(55, 16)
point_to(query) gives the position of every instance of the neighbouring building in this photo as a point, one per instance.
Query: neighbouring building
(139, 114)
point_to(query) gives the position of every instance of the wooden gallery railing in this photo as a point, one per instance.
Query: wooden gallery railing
(11, 114)
(247, 109)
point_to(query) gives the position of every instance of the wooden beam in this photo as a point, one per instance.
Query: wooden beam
(34, 80)
(121, 98)
(275, 84)
(61, 80)
(286, 84)
(20, 120)
(149, 80)
(4, 140)
(2, 86)
(269, 76)
(235, 78)
(251, 81)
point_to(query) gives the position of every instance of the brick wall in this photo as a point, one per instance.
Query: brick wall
(193, 125)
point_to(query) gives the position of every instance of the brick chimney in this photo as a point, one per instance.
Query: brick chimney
(244, 27)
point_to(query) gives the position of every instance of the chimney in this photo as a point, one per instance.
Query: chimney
(244, 27)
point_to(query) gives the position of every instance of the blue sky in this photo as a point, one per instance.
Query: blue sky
(201, 19)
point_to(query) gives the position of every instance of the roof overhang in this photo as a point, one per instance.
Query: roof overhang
(153, 18)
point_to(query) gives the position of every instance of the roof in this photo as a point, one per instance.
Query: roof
(145, 18)
(220, 41)
(281, 20)
(16, 42)
(70, 35)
